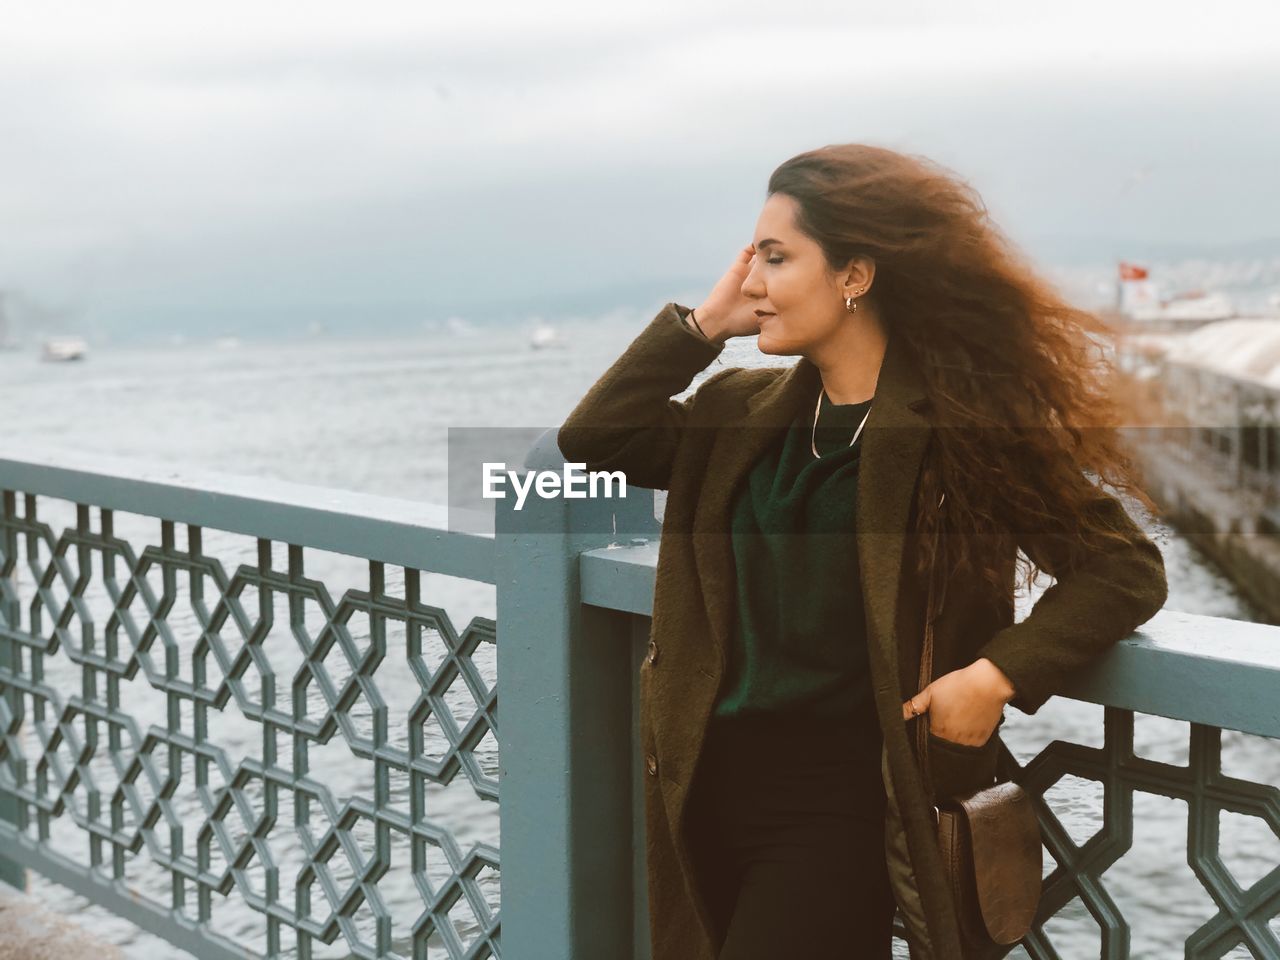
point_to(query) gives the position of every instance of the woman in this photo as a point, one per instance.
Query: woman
(948, 409)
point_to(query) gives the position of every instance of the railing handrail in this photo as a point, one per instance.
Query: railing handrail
(572, 785)
(1169, 667)
(408, 533)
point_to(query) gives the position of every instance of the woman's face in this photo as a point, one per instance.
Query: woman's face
(790, 279)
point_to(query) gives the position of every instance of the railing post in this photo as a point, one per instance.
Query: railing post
(568, 766)
(11, 873)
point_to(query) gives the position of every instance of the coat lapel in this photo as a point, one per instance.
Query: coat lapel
(887, 475)
(893, 445)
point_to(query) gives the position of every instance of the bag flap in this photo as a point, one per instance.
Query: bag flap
(1007, 858)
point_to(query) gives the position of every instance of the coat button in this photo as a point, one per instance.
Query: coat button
(651, 762)
(653, 651)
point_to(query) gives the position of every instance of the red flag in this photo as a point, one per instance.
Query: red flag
(1129, 271)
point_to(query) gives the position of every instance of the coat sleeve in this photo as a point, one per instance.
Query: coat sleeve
(627, 421)
(1094, 604)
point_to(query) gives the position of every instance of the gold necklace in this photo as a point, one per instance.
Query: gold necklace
(813, 437)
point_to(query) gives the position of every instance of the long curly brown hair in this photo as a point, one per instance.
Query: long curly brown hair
(1021, 383)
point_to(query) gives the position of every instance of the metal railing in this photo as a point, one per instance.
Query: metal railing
(191, 719)
(202, 734)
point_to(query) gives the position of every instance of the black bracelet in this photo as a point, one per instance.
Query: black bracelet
(705, 337)
(698, 325)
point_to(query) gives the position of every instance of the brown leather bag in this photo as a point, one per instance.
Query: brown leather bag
(989, 839)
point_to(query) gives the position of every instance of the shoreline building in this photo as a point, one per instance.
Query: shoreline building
(1210, 441)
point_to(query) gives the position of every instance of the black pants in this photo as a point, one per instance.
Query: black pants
(786, 822)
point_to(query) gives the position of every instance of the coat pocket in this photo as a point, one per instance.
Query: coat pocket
(958, 769)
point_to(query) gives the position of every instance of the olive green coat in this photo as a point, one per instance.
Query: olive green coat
(697, 449)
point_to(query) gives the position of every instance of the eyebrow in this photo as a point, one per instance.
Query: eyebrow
(764, 243)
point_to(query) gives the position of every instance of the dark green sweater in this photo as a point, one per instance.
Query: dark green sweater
(799, 638)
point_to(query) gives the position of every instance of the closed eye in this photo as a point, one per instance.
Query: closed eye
(774, 260)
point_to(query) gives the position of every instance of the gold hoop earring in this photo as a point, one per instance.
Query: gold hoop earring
(851, 304)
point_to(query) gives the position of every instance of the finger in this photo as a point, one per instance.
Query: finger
(921, 700)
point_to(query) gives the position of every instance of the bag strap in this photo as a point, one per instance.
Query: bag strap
(926, 672)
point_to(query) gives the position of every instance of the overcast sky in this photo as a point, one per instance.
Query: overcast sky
(178, 163)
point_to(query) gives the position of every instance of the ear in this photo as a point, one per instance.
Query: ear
(859, 273)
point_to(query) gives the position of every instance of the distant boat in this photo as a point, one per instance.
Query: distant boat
(545, 335)
(60, 349)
